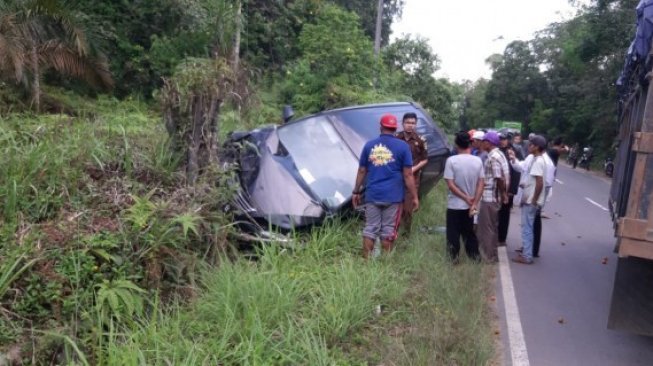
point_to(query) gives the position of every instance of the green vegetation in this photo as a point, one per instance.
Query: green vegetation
(317, 306)
(561, 83)
(108, 258)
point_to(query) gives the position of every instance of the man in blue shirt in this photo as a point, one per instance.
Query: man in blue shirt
(387, 164)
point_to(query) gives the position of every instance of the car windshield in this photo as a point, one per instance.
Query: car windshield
(323, 160)
(361, 124)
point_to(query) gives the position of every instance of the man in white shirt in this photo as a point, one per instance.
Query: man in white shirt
(549, 179)
(464, 174)
(533, 196)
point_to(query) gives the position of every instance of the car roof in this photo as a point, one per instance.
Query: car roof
(364, 106)
(367, 106)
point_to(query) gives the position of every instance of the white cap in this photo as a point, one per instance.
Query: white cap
(478, 135)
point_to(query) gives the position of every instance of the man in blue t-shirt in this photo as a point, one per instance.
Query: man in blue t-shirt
(387, 164)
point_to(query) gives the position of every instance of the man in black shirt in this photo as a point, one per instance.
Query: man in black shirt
(556, 150)
(505, 145)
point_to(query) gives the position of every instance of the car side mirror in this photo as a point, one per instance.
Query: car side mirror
(288, 113)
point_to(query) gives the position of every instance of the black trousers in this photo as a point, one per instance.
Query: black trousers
(504, 219)
(537, 233)
(460, 224)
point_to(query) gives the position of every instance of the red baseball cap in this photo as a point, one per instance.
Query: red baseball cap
(389, 121)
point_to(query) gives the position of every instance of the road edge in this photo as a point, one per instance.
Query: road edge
(516, 341)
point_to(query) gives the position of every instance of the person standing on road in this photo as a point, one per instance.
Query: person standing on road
(494, 193)
(420, 159)
(477, 137)
(532, 198)
(518, 144)
(513, 185)
(549, 180)
(386, 171)
(464, 176)
(521, 167)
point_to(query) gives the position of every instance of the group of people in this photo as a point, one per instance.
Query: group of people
(487, 174)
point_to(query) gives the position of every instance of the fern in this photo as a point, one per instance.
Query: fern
(141, 212)
(119, 298)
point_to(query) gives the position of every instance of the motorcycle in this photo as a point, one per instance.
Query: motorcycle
(586, 158)
(608, 166)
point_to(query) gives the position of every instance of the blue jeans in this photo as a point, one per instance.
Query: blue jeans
(527, 220)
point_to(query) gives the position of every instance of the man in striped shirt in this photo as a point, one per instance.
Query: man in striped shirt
(496, 174)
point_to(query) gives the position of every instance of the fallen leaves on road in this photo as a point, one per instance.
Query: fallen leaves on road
(561, 320)
(604, 260)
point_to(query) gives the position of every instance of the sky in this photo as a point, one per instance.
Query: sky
(464, 33)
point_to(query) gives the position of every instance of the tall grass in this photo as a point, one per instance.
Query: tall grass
(44, 156)
(319, 305)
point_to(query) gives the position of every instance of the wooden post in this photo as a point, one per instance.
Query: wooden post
(379, 23)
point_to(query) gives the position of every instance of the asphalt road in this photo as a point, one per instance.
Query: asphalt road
(564, 298)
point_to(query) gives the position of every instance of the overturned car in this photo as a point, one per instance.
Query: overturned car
(303, 171)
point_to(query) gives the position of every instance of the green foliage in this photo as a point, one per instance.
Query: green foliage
(273, 28)
(201, 76)
(584, 56)
(94, 203)
(148, 39)
(37, 36)
(316, 305)
(516, 83)
(36, 172)
(11, 268)
(413, 56)
(413, 63)
(336, 67)
(121, 299)
(270, 41)
(38, 298)
(367, 12)
(561, 82)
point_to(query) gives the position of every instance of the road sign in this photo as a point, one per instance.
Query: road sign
(507, 124)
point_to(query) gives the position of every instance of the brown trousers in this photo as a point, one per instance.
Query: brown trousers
(407, 213)
(487, 230)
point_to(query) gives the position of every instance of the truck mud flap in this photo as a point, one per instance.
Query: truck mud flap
(632, 297)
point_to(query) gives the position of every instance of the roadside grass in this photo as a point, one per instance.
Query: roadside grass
(444, 315)
(324, 305)
(107, 258)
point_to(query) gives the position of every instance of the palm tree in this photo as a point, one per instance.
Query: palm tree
(37, 35)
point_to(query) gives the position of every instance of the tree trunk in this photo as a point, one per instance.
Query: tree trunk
(239, 26)
(379, 23)
(212, 130)
(36, 84)
(194, 138)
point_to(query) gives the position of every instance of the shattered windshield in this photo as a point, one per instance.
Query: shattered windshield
(323, 160)
(361, 124)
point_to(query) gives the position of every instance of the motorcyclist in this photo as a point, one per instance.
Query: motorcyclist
(573, 155)
(586, 159)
